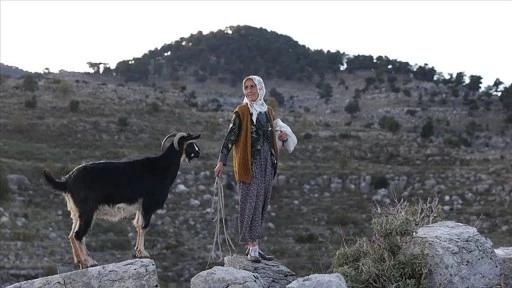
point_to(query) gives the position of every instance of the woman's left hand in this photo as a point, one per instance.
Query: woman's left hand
(283, 136)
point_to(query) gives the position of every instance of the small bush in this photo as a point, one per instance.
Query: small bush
(31, 103)
(389, 123)
(277, 95)
(30, 83)
(387, 260)
(74, 105)
(272, 102)
(122, 121)
(411, 112)
(65, 88)
(380, 182)
(427, 130)
(5, 190)
(352, 107)
(155, 107)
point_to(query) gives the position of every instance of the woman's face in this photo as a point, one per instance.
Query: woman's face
(251, 90)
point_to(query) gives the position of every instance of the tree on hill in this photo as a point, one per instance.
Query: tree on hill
(506, 98)
(474, 83)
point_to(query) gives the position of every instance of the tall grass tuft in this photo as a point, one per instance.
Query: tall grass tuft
(389, 258)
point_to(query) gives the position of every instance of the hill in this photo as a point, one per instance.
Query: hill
(364, 139)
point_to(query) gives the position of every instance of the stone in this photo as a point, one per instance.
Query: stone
(458, 256)
(138, 273)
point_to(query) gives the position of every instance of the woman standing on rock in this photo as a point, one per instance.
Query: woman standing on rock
(255, 153)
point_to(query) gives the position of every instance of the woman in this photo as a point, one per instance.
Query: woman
(252, 137)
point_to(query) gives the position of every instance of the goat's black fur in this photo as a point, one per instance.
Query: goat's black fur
(141, 184)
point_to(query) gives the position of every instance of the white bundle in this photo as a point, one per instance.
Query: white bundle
(292, 139)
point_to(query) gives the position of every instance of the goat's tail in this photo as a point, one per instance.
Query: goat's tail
(57, 185)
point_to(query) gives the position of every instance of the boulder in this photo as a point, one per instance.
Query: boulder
(272, 273)
(505, 256)
(140, 273)
(334, 280)
(18, 182)
(226, 277)
(458, 256)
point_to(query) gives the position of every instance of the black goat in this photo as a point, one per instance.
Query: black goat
(115, 190)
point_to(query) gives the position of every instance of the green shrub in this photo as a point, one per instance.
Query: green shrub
(352, 107)
(30, 83)
(31, 103)
(428, 129)
(387, 260)
(155, 107)
(65, 88)
(122, 121)
(5, 190)
(380, 182)
(74, 105)
(389, 123)
(411, 112)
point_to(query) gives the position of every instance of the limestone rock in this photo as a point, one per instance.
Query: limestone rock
(226, 277)
(334, 280)
(140, 273)
(272, 273)
(505, 257)
(458, 256)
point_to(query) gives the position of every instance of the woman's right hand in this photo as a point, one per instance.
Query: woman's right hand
(219, 169)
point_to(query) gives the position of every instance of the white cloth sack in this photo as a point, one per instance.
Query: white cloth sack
(292, 139)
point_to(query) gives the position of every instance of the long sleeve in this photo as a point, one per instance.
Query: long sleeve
(231, 136)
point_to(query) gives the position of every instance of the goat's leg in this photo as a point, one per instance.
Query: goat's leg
(140, 252)
(86, 255)
(74, 245)
(74, 217)
(85, 221)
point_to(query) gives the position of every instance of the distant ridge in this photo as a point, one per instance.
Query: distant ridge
(12, 71)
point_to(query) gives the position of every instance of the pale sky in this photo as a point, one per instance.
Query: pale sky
(473, 37)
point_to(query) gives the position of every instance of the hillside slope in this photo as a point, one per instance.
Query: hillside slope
(323, 195)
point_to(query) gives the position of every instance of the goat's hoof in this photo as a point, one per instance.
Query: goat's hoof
(86, 264)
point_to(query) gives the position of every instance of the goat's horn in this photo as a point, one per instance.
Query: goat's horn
(177, 138)
(167, 137)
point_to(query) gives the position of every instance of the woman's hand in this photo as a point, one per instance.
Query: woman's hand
(283, 136)
(219, 169)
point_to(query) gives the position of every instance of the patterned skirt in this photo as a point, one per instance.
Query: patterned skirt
(254, 197)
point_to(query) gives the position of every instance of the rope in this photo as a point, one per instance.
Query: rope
(218, 191)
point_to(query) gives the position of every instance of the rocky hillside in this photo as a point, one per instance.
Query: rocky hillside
(417, 143)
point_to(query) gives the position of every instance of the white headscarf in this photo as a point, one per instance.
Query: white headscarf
(259, 105)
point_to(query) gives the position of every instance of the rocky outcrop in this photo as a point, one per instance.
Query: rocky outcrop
(458, 256)
(238, 272)
(505, 257)
(320, 281)
(272, 273)
(133, 273)
(226, 277)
